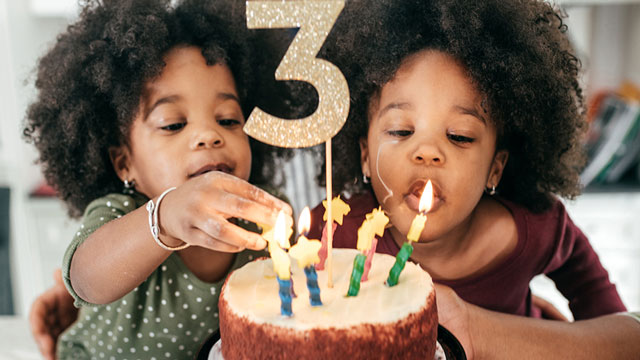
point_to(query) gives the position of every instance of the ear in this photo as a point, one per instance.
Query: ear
(119, 156)
(364, 157)
(497, 167)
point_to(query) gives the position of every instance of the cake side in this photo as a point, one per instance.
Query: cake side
(381, 322)
(410, 338)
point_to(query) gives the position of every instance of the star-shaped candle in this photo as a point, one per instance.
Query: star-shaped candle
(306, 252)
(338, 210)
(426, 201)
(281, 263)
(373, 224)
(379, 222)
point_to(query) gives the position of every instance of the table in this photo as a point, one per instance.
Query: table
(16, 342)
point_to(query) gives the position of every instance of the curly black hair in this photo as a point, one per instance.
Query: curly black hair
(517, 54)
(91, 82)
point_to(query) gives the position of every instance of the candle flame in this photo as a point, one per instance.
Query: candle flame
(280, 231)
(304, 221)
(426, 200)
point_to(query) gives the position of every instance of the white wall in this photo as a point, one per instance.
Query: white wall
(23, 38)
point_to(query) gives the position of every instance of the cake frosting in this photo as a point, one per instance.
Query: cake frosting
(380, 322)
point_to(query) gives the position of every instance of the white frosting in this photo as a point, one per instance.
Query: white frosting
(252, 292)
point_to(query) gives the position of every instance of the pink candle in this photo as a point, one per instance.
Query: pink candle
(338, 210)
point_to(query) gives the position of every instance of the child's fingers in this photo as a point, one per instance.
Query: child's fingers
(233, 205)
(245, 190)
(237, 206)
(217, 233)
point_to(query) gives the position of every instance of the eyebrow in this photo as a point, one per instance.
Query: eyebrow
(175, 98)
(470, 111)
(394, 105)
(165, 100)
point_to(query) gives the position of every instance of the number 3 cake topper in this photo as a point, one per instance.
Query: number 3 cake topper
(315, 18)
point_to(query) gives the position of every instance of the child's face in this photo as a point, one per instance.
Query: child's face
(190, 122)
(428, 124)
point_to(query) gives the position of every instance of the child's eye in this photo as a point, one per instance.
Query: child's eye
(460, 139)
(174, 127)
(229, 122)
(400, 133)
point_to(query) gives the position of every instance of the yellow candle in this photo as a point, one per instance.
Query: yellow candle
(365, 236)
(378, 220)
(305, 250)
(339, 209)
(416, 227)
(373, 224)
(426, 200)
(280, 258)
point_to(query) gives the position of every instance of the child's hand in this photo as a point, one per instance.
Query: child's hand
(198, 213)
(51, 313)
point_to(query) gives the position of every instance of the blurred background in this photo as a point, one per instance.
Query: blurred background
(34, 228)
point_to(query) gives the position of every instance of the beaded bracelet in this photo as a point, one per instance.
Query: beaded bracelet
(153, 209)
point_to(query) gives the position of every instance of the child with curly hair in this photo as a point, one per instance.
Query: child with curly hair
(138, 122)
(482, 98)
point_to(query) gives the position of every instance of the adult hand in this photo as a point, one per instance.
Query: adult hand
(453, 314)
(198, 213)
(51, 313)
(548, 310)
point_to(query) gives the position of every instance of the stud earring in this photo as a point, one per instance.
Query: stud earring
(491, 191)
(366, 179)
(129, 186)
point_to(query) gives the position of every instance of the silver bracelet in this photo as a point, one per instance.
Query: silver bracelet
(153, 209)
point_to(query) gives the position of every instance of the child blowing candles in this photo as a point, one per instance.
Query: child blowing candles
(481, 98)
(149, 95)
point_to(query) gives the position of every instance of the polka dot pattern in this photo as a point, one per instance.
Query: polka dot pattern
(168, 316)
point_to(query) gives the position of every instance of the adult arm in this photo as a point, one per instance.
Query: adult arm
(486, 334)
(51, 313)
(578, 273)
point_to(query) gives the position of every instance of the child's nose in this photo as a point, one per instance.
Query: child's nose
(207, 138)
(428, 154)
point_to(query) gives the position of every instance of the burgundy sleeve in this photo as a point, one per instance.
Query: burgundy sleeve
(315, 232)
(578, 273)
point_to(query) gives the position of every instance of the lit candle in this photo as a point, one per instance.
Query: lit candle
(306, 252)
(281, 263)
(338, 210)
(373, 224)
(426, 200)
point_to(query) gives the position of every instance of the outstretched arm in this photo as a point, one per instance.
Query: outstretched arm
(122, 253)
(487, 334)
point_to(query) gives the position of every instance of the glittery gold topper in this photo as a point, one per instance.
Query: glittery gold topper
(315, 18)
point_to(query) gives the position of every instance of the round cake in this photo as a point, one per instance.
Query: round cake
(380, 322)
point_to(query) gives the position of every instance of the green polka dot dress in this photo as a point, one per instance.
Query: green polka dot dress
(168, 316)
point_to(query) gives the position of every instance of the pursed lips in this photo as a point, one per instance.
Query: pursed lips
(412, 197)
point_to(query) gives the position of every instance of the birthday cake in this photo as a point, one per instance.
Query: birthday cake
(380, 322)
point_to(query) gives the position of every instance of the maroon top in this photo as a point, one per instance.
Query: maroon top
(548, 243)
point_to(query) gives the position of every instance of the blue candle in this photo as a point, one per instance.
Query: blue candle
(312, 285)
(285, 296)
